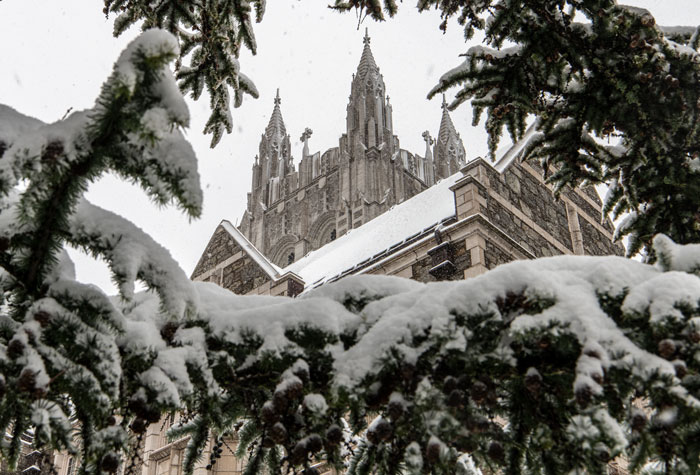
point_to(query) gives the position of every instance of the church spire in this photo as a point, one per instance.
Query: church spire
(276, 124)
(447, 128)
(367, 63)
(449, 155)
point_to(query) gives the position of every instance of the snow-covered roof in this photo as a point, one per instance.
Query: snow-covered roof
(401, 223)
(270, 269)
(388, 231)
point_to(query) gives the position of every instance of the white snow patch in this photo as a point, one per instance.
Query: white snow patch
(406, 219)
(315, 403)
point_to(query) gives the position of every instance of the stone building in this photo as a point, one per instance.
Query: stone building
(368, 206)
(293, 211)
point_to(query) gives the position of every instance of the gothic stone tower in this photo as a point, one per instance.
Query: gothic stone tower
(371, 168)
(292, 212)
(273, 175)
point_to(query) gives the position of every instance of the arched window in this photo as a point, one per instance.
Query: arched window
(290, 258)
(332, 234)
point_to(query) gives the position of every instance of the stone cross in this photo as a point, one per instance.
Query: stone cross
(305, 138)
(306, 135)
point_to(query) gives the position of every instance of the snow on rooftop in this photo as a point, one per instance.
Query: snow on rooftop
(271, 269)
(406, 219)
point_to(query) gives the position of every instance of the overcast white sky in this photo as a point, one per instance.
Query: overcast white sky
(55, 55)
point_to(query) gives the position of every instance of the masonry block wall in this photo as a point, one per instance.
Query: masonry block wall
(226, 264)
(522, 207)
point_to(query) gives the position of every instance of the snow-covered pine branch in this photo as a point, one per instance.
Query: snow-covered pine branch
(61, 340)
(211, 34)
(534, 363)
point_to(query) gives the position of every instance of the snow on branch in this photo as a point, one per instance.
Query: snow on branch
(132, 254)
(447, 361)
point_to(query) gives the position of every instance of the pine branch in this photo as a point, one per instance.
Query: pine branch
(210, 33)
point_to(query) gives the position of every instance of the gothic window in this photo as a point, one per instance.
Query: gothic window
(290, 258)
(332, 234)
(69, 470)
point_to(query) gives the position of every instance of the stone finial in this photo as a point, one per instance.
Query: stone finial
(306, 135)
(366, 39)
(444, 102)
(277, 97)
(428, 142)
(305, 138)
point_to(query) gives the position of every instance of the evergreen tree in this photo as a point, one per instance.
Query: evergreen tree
(614, 96)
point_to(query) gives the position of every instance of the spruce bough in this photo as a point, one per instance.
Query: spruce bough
(211, 34)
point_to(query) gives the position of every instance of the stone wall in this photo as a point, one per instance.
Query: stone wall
(226, 264)
(412, 185)
(297, 215)
(528, 237)
(588, 206)
(495, 256)
(242, 276)
(519, 203)
(534, 201)
(593, 243)
(221, 246)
